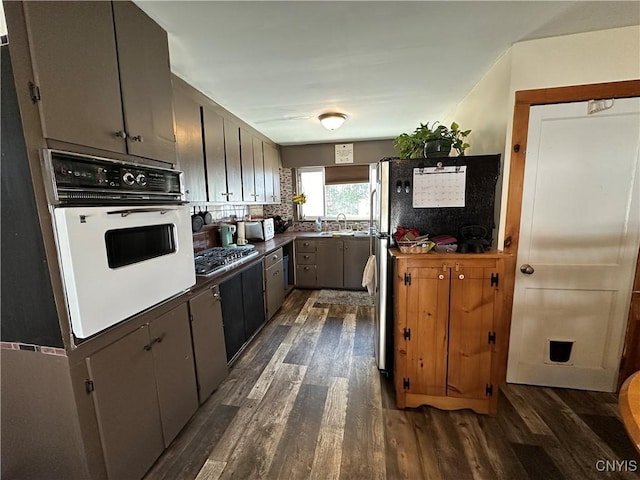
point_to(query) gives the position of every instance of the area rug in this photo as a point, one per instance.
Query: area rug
(344, 297)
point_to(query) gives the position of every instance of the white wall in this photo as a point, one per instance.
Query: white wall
(584, 58)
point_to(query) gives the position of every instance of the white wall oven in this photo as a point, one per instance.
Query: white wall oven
(123, 237)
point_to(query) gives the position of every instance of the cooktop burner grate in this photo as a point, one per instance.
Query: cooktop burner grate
(221, 259)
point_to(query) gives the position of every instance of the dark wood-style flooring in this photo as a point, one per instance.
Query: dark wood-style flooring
(306, 401)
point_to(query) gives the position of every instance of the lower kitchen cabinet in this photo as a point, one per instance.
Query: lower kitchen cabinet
(208, 341)
(273, 282)
(356, 254)
(450, 339)
(242, 308)
(331, 262)
(144, 391)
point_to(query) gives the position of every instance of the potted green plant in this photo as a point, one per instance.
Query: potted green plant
(432, 141)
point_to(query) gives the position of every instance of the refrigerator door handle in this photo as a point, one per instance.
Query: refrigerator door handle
(371, 196)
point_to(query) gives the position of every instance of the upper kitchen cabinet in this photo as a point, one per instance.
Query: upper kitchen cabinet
(248, 168)
(189, 143)
(213, 129)
(102, 77)
(232, 160)
(258, 167)
(271, 173)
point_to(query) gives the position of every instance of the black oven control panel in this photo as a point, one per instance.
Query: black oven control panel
(83, 179)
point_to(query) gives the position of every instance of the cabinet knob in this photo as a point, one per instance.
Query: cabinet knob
(137, 138)
(275, 257)
(527, 269)
(461, 276)
(441, 276)
(306, 268)
(120, 134)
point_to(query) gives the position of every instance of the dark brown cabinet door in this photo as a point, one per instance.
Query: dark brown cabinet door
(232, 160)
(248, 171)
(356, 254)
(145, 78)
(329, 263)
(208, 341)
(214, 152)
(189, 143)
(75, 63)
(274, 288)
(170, 339)
(271, 175)
(258, 167)
(127, 405)
(306, 276)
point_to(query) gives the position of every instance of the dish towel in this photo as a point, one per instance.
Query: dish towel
(369, 275)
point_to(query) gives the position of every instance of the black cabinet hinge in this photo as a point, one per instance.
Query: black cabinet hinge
(407, 334)
(88, 386)
(34, 92)
(406, 383)
(491, 337)
(407, 278)
(488, 391)
(495, 277)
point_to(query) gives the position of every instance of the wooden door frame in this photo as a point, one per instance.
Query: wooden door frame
(524, 100)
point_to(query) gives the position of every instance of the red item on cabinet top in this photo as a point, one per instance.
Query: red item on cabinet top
(443, 239)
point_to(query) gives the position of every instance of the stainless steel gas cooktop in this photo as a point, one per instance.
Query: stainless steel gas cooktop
(221, 259)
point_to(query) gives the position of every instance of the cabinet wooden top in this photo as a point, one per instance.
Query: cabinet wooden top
(396, 253)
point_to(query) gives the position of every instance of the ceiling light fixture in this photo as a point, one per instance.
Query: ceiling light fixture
(331, 121)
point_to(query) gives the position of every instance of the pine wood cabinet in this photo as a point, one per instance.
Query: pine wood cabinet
(102, 77)
(450, 337)
(144, 392)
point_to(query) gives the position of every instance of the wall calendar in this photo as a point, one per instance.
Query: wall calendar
(439, 187)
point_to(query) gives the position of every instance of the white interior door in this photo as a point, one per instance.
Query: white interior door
(579, 233)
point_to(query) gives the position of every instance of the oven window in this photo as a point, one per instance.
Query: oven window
(132, 245)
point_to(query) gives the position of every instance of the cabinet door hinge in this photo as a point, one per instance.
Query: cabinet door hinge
(406, 383)
(488, 391)
(495, 277)
(88, 386)
(407, 334)
(34, 92)
(407, 278)
(491, 337)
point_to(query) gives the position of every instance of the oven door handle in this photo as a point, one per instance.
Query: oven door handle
(125, 213)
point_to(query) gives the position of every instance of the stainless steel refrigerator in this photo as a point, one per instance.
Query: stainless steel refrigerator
(392, 205)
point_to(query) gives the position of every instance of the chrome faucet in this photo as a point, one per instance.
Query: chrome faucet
(345, 220)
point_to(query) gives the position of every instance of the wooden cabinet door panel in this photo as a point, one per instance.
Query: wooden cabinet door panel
(329, 263)
(471, 320)
(78, 79)
(175, 376)
(232, 160)
(270, 172)
(248, 171)
(274, 286)
(427, 311)
(208, 342)
(189, 144)
(253, 299)
(258, 167)
(306, 276)
(214, 152)
(356, 254)
(127, 405)
(145, 78)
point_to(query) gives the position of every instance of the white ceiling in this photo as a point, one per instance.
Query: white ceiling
(387, 65)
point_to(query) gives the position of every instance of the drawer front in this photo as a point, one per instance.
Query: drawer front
(305, 275)
(272, 258)
(305, 246)
(304, 258)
